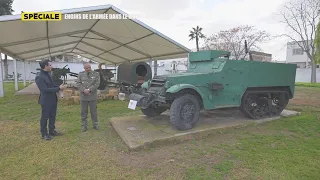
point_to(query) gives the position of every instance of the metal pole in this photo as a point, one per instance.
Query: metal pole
(15, 75)
(29, 72)
(155, 66)
(115, 73)
(150, 63)
(1, 78)
(188, 63)
(25, 74)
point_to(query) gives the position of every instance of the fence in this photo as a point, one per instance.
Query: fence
(304, 75)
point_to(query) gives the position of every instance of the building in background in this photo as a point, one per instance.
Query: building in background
(172, 66)
(296, 55)
(261, 56)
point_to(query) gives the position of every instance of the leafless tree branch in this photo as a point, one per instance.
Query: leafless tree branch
(233, 40)
(301, 17)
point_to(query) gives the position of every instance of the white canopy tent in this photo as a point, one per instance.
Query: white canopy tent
(109, 41)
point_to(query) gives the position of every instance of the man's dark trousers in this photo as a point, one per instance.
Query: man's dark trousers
(49, 111)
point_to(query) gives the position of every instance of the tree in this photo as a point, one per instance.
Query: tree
(232, 40)
(317, 44)
(196, 33)
(301, 16)
(6, 9)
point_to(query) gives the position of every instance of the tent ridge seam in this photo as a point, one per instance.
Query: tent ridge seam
(88, 31)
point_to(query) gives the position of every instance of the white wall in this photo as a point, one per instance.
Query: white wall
(74, 67)
(304, 75)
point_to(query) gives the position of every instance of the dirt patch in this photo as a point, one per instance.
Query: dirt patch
(11, 126)
(304, 101)
(306, 96)
(239, 172)
(175, 160)
(146, 159)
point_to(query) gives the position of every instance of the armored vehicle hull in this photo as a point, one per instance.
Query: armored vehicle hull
(212, 81)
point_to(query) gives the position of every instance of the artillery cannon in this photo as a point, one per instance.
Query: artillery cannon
(131, 75)
(213, 81)
(105, 76)
(57, 73)
(11, 77)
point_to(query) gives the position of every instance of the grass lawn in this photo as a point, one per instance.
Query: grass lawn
(283, 149)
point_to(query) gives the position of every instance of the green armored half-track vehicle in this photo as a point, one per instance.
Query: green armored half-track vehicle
(212, 81)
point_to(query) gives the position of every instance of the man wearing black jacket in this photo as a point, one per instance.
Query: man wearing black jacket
(48, 100)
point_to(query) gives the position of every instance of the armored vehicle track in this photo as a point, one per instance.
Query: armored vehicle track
(262, 103)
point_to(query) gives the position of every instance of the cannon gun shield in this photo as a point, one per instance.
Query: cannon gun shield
(59, 73)
(105, 77)
(131, 75)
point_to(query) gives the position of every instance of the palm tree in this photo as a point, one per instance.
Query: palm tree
(196, 33)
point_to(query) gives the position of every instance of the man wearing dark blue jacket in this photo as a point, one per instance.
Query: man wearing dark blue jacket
(48, 100)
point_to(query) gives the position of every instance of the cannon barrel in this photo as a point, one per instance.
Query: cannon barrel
(133, 72)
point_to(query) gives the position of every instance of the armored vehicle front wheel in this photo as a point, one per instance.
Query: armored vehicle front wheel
(151, 111)
(185, 112)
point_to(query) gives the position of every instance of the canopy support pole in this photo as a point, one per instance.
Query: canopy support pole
(150, 64)
(1, 78)
(29, 72)
(155, 66)
(15, 75)
(115, 73)
(25, 74)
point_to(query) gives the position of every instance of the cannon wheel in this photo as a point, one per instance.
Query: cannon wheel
(122, 89)
(185, 112)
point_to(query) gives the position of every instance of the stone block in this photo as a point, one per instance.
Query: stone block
(141, 132)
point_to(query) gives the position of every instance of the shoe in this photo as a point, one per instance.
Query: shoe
(96, 128)
(55, 133)
(46, 137)
(84, 129)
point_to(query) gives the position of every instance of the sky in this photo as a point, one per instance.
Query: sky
(175, 18)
